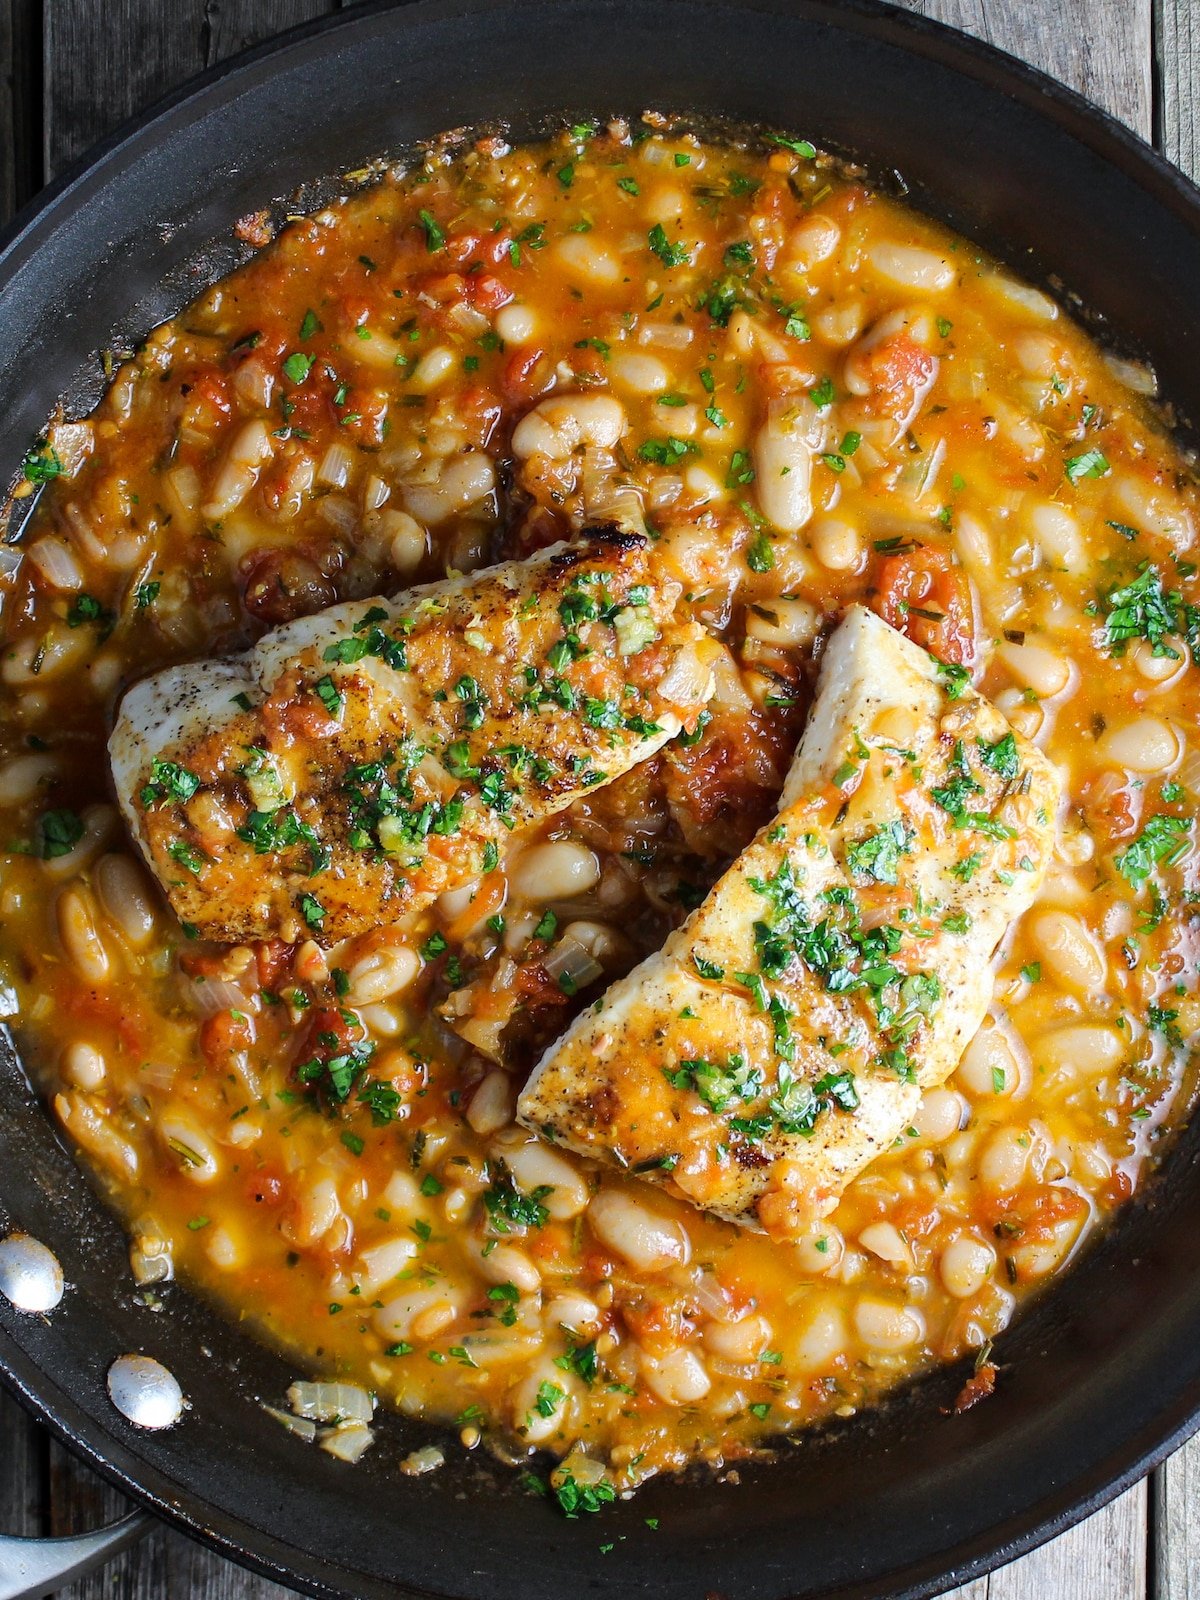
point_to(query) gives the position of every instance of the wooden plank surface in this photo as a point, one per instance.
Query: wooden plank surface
(1104, 48)
(70, 70)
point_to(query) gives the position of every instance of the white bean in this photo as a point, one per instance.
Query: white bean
(886, 1326)
(83, 1065)
(556, 870)
(1004, 1160)
(434, 367)
(883, 1239)
(822, 1338)
(585, 262)
(1058, 536)
(1045, 671)
(966, 1265)
(545, 1389)
(77, 929)
(507, 1264)
(642, 373)
(677, 1379)
(535, 1166)
(124, 894)
(382, 1262)
(1082, 1049)
(191, 1147)
(837, 544)
(641, 1236)
(812, 241)
(464, 481)
(783, 467)
(988, 1066)
(422, 1310)
(1147, 744)
(21, 777)
(1069, 953)
(516, 324)
(493, 1104)
(911, 267)
(738, 1341)
(939, 1115)
(788, 623)
(820, 1248)
(383, 972)
(557, 428)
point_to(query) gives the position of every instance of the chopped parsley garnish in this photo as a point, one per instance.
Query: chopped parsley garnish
(668, 452)
(312, 910)
(549, 1398)
(41, 464)
(86, 608)
(955, 679)
(878, 855)
(1162, 842)
(800, 147)
(581, 1360)
(168, 781)
(1143, 610)
(509, 1207)
(298, 366)
(760, 557)
(188, 857)
(1001, 757)
(575, 1497)
(823, 394)
(330, 696)
(1089, 464)
(671, 255)
(435, 239)
(57, 833)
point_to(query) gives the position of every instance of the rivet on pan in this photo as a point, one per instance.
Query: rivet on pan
(144, 1392)
(30, 1276)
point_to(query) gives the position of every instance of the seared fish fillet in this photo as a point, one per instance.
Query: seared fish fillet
(783, 1036)
(357, 763)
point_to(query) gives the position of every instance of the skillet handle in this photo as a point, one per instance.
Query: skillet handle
(33, 1567)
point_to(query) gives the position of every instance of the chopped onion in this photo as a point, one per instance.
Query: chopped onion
(302, 1428)
(571, 961)
(375, 492)
(56, 564)
(72, 443)
(210, 995)
(184, 482)
(254, 383)
(338, 512)
(686, 678)
(467, 319)
(666, 335)
(428, 1459)
(336, 465)
(331, 1402)
(10, 560)
(1135, 375)
(349, 1442)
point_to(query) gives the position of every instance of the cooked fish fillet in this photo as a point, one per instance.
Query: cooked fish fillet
(357, 763)
(783, 1036)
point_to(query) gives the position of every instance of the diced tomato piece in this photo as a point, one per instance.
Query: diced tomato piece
(900, 373)
(527, 374)
(226, 1034)
(487, 293)
(922, 592)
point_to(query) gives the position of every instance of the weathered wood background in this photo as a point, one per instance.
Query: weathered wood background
(70, 70)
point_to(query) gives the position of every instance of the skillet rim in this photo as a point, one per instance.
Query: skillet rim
(973, 60)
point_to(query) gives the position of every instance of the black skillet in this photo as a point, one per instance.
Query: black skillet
(1102, 1377)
